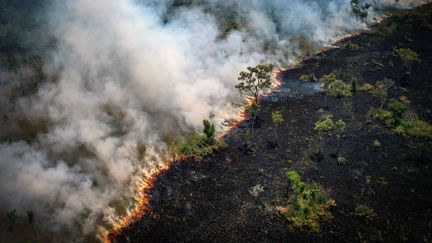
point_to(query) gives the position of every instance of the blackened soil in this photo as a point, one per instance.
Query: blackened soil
(211, 200)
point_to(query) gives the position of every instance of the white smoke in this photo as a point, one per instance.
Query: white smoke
(130, 76)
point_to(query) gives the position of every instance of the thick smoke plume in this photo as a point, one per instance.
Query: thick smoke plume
(131, 76)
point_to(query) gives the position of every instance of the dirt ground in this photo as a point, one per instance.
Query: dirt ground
(210, 200)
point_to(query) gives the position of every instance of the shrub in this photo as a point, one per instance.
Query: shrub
(325, 124)
(209, 130)
(376, 144)
(308, 78)
(308, 204)
(352, 46)
(385, 31)
(197, 146)
(398, 108)
(341, 160)
(381, 115)
(328, 78)
(335, 87)
(338, 89)
(402, 121)
(413, 126)
(366, 87)
(408, 57)
(364, 211)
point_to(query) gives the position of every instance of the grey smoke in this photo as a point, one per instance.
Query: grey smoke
(129, 79)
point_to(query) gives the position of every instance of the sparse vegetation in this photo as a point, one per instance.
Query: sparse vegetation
(381, 91)
(308, 78)
(408, 57)
(335, 87)
(199, 145)
(327, 125)
(308, 204)
(352, 46)
(364, 211)
(340, 160)
(403, 121)
(376, 144)
(367, 87)
(209, 130)
(386, 31)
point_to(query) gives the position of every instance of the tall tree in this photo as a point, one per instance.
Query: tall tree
(255, 80)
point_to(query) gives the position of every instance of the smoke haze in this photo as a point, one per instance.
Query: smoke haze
(130, 76)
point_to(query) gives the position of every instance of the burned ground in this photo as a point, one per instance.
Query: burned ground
(211, 200)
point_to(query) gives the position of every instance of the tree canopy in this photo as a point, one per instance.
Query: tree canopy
(255, 80)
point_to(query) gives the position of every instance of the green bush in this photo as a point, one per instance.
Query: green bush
(352, 46)
(325, 124)
(408, 57)
(366, 87)
(403, 121)
(308, 78)
(398, 109)
(382, 115)
(308, 204)
(210, 131)
(413, 126)
(385, 31)
(328, 78)
(335, 87)
(376, 144)
(364, 211)
(197, 146)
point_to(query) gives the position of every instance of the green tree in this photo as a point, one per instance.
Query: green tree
(323, 126)
(277, 119)
(209, 130)
(360, 11)
(255, 80)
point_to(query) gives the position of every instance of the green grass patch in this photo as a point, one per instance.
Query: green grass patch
(308, 205)
(197, 146)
